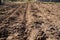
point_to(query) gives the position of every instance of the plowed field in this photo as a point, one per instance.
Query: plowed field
(30, 21)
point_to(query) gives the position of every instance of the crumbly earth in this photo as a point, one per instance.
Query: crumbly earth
(30, 21)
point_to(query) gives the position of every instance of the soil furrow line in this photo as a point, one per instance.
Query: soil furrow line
(13, 13)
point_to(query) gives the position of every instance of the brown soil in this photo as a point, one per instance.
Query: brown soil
(30, 21)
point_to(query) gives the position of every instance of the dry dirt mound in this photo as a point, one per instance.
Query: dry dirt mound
(30, 21)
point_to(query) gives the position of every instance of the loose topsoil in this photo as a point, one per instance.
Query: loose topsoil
(30, 21)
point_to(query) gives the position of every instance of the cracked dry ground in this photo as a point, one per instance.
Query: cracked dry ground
(30, 21)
